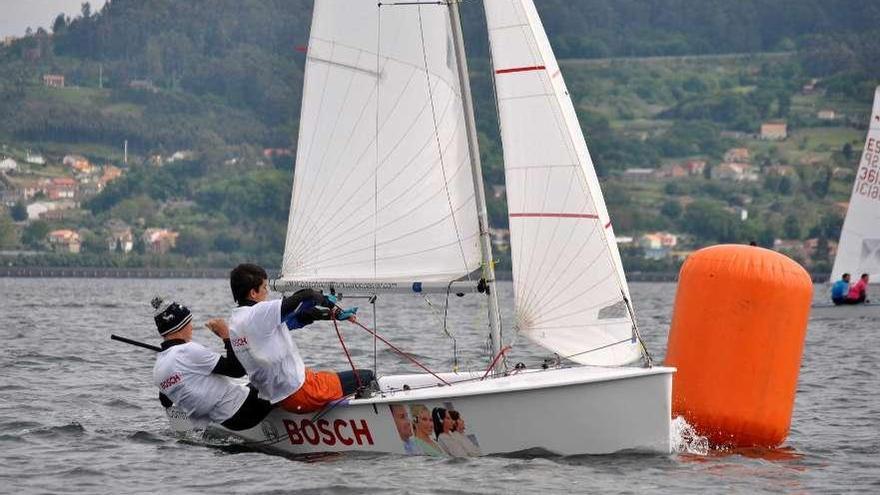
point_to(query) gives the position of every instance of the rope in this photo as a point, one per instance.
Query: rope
(628, 339)
(407, 356)
(437, 139)
(495, 361)
(444, 322)
(649, 361)
(347, 354)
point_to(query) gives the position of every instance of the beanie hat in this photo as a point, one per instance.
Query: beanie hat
(170, 316)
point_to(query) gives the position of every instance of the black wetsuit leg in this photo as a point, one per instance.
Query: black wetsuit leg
(250, 413)
(350, 382)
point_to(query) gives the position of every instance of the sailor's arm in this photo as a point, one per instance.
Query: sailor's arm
(227, 365)
(310, 297)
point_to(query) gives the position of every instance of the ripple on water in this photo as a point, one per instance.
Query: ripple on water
(146, 437)
(83, 472)
(122, 441)
(19, 425)
(122, 404)
(72, 429)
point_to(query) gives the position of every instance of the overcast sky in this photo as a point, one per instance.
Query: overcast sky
(18, 15)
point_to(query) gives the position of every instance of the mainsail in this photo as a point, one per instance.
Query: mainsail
(571, 293)
(859, 248)
(382, 185)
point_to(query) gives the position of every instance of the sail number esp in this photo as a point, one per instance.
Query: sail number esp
(868, 177)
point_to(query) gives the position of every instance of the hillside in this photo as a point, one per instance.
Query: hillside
(217, 84)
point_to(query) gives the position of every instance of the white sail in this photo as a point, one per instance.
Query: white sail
(568, 278)
(859, 248)
(382, 185)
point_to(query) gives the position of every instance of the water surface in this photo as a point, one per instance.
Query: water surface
(78, 412)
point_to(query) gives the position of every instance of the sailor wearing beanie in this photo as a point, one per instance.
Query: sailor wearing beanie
(196, 379)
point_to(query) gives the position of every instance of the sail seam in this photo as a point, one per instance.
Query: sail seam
(354, 220)
(305, 228)
(398, 238)
(525, 97)
(396, 256)
(309, 229)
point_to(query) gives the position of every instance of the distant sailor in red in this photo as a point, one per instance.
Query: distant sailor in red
(858, 293)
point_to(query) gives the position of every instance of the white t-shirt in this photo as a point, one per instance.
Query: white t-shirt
(264, 347)
(183, 373)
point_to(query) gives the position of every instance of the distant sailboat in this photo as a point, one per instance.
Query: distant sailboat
(388, 196)
(859, 248)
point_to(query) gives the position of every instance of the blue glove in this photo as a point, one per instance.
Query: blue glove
(329, 301)
(346, 313)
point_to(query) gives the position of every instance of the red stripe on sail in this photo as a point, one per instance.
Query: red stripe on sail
(520, 69)
(554, 215)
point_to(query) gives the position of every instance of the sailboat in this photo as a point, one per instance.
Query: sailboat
(859, 248)
(388, 197)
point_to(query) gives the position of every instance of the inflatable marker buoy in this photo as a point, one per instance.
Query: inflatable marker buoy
(738, 328)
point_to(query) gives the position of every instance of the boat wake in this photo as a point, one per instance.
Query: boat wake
(685, 439)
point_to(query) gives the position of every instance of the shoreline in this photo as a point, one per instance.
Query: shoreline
(218, 273)
(222, 273)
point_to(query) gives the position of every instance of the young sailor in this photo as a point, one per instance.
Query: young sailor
(260, 330)
(840, 289)
(859, 292)
(196, 379)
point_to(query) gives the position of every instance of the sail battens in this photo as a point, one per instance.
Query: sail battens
(553, 215)
(520, 69)
(345, 66)
(370, 196)
(514, 167)
(563, 270)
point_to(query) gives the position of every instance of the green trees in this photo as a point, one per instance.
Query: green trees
(709, 220)
(18, 212)
(34, 235)
(792, 227)
(7, 232)
(671, 209)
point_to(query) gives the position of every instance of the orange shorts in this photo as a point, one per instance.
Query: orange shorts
(319, 388)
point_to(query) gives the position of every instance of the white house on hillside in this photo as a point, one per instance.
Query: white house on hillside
(35, 159)
(8, 165)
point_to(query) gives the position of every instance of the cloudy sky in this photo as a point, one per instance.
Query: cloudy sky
(17, 15)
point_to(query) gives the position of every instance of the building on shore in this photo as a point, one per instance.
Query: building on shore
(159, 241)
(121, 239)
(64, 240)
(657, 245)
(53, 80)
(774, 131)
(736, 172)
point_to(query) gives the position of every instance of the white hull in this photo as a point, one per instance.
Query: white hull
(569, 411)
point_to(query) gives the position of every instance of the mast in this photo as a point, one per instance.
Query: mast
(477, 174)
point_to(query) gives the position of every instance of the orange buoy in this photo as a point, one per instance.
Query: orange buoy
(738, 328)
